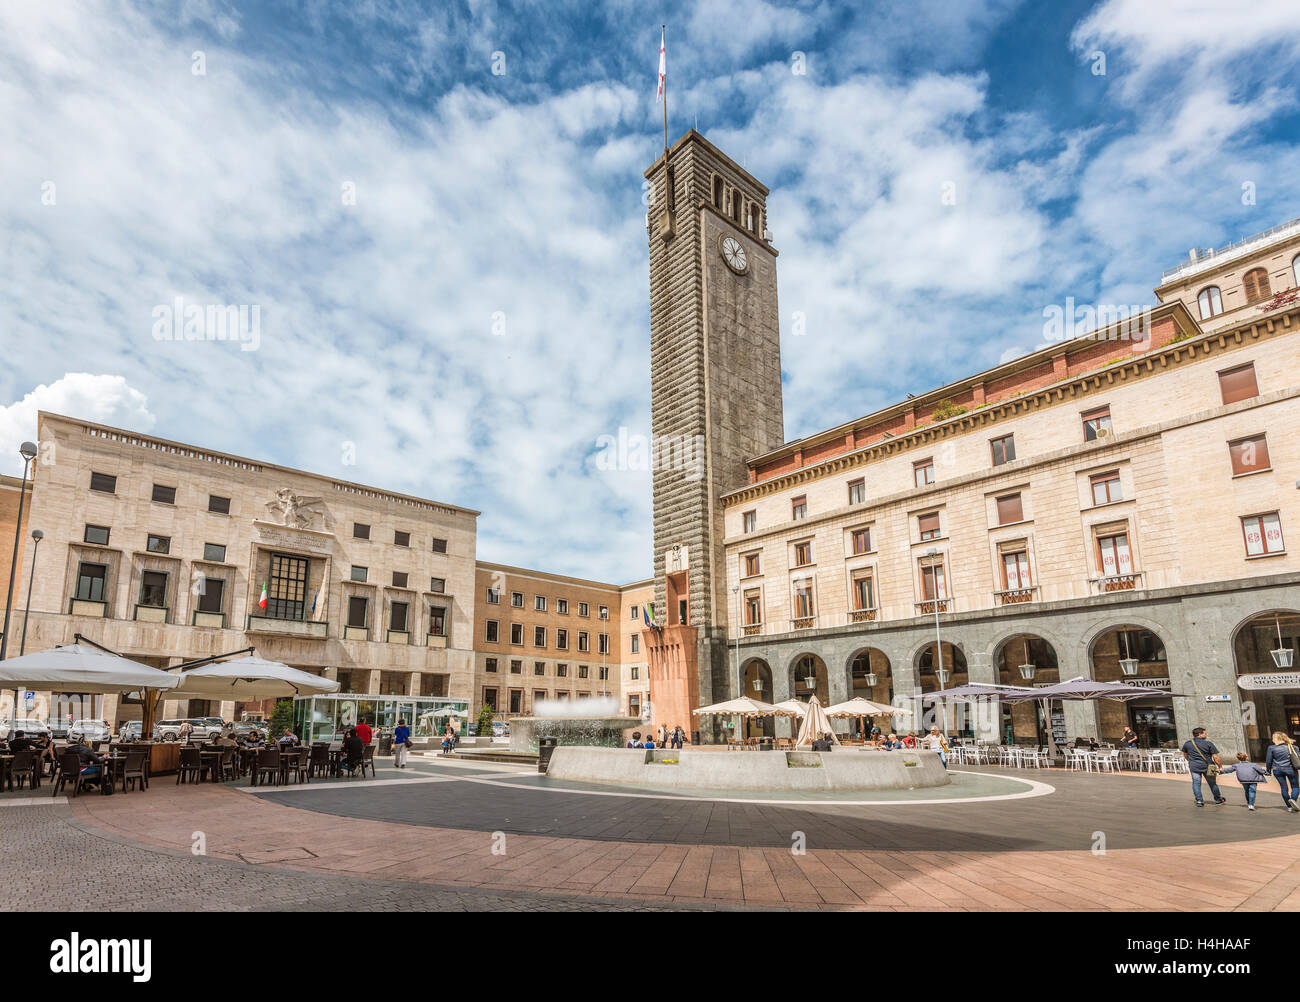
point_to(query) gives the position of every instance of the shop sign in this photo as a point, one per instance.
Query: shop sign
(1270, 680)
(1218, 699)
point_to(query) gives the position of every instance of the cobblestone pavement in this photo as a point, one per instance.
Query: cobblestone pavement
(53, 862)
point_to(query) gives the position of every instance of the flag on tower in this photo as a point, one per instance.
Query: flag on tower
(261, 602)
(663, 62)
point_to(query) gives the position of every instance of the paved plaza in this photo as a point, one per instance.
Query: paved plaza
(450, 835)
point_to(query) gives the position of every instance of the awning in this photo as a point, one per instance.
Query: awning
(248, 680)
(81, 668)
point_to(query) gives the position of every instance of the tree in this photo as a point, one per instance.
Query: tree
(485, 721)
(281, 718)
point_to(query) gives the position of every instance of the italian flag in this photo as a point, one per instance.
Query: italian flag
(261, 602)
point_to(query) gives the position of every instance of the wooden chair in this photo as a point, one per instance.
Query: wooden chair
(191, 765)
(133, 771)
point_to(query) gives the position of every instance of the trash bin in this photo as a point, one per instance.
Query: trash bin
(545, 748)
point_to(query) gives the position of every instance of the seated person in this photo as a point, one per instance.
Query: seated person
(890, 742)
(288, 738)
(21, 742)
(636, 740)
(354, 750)
(90, 762)
(254, 740)
(821, 744)
(649, 741)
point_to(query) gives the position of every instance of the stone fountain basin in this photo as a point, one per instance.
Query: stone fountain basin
(600, 732)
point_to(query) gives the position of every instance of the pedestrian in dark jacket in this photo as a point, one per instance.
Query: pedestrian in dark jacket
(1279, 762)
(1249, 775)
(1203, 763)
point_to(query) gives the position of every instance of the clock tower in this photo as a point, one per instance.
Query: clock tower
(715, 363)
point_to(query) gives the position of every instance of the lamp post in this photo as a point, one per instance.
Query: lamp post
(1284, 656)
(933, 554)
(37, 536)
(735, 650)
(604, 650)
(28, 451)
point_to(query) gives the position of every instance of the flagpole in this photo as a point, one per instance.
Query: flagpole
(663, 41)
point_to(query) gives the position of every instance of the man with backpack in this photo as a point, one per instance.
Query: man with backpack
(1203, 762)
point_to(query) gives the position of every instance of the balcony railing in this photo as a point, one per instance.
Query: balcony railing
(1015, 596)
(201, 618)
(150, 613)
(88, 607)
(310, 629)
(753, 629)
(930, 607)
(1119, 582)
(804, 622)
(863, 615)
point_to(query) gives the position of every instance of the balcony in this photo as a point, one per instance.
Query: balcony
(150, 614)
(88, 607)
(863, 615)
(1015, 596)
(753, 629)
(356, 633)
(211, 619)
(307, 629)
(398, 637)
(930, 607)
(804, 623)
(435, 640)
(1118, 582)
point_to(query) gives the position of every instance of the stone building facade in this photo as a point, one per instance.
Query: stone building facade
(160, 551)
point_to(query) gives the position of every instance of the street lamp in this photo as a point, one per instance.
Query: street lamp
(28, 451)
(37, 536)
(1284, 656)
(1028, 669)
(1127, 664)
(735, 656)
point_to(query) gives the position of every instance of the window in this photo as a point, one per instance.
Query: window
(490, 697)
(751, 564)
(1004, 449)
(1096, 424)
(286, 594)
(561, 671)
(516, 667)
(1210, 302)
(604, 673)
(923, 472)
(218, 505)
(97, 534)
(561, 640)
(215, 552)
(516, 701)
(803, 599)
(636, 673)
(397, 613)
(1113, 554)
(438, 585)
(1010, 509)
(603, 643)
(753, 608)
(490, 664)
(584, 641)
(750, 519)
(210, 598)
(1263, 534)
(1255, 282)
(634, 613)
(360, 573)
(562, 606)
(493, 597)
(517, 634)
(437, 621)
(164, 495)
(857, 492)
(864, 591)
(539, 667)
(928, 525)
(360, 531)
(1105, 487)
(517, 599)
(90, 582)
(401, 538)
(399, 579)
(493, 632)
(799, 508)
(1015, 569)
(861, 540)
(158, 544)
(802, 554)
(105, 483)
(584, 610)
(439, 546)
(539, 636)
(933, 586)
(357, 606)
(717, 192)
(1295, 271)
(603, 612)
(153, 589)
(634, 705)
(584, 672)
(1238, 383)
(1249, 455)
(636, 645)
(539, 603)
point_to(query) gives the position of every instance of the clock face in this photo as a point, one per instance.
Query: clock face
(734, 255)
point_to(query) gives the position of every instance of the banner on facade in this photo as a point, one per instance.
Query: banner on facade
(1270, 680)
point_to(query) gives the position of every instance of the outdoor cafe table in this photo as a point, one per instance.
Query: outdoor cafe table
(111, 767)
(286, 754)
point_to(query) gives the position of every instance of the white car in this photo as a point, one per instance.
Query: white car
(89, 730)
(30, 727)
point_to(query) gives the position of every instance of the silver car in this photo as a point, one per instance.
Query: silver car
(30, 727)
(89, 730)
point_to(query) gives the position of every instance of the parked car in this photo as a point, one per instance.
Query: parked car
(130, 731)
(246, 727)
(90, 730)
(201, 728)
(28, 725)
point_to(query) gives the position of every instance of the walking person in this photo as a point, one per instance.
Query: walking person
(1249, 775)
(1203, 763)
(1283, 762)
(401, 744)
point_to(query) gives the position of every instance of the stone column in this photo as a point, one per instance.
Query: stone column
(413, 683)
(372, 681)
(986, 715)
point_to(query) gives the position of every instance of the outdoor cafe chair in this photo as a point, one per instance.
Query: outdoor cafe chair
(1075, 759)
(319, 762)
(297, 763)
(69, 772)
(190, 768)
(23, 767)
(368, 761)
(268, 764)
(133, 771)
(1106, 761)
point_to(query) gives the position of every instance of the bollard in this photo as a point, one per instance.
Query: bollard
(545, 748)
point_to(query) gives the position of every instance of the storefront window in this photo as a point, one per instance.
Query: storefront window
(326, 718)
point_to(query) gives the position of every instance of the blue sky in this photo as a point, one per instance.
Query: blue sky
(476, 318)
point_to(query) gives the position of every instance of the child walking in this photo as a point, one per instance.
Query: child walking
(1249, 775)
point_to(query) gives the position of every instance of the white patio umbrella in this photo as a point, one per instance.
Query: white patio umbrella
(743, 707)
(81, 668)
(815, 724)
(249, 680)
(860, 707)
(795, 707)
